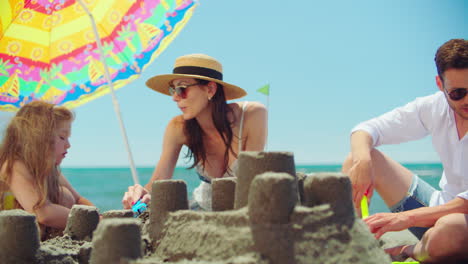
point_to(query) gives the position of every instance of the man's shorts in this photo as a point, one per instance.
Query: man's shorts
(418, 195)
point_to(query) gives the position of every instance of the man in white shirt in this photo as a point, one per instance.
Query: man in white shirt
(438, 217)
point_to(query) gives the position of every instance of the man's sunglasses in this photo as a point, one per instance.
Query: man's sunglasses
(180, 90)
(457, 94)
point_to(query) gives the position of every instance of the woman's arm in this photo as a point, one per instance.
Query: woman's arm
(255, 126)
(23, 188)
(173, 140)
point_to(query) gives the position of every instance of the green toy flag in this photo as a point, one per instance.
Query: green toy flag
(264, 89)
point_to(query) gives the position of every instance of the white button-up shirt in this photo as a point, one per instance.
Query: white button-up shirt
(429, 115)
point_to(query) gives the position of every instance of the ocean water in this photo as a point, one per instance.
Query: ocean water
(105, 187)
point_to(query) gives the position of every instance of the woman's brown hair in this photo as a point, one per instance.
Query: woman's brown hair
(29, 138)
(220, 113)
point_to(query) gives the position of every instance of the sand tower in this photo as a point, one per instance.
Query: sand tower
(116, 239)
(166, 196)
(223, 193)
(82, 221)
(252, 164)
(19, 237)
(333, 189)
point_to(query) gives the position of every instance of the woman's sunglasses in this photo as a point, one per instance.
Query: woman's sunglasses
(180, 90)
(457, 94)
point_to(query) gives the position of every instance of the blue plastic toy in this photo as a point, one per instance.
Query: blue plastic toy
(138, 208)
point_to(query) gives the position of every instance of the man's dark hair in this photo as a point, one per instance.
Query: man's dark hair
(453, 54)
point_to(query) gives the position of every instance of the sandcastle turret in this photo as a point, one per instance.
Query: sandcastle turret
(273, 227)
(166, 196)
(300, 176)
(118, 213)
(81, 222)
(19, 237)
(115, 239)
(333, 189)
(272, 199)
(223, 193)
(253, 163)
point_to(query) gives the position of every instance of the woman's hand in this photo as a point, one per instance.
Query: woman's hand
(135, 193)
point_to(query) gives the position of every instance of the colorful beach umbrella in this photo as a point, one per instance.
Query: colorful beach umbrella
(51, 50)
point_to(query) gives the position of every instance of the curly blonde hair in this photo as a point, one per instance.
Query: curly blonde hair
(29, 138)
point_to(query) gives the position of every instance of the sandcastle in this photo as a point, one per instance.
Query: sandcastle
(19, 237)
(268, 214)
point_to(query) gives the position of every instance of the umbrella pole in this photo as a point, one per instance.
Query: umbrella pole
(114, 98)
(268, 114)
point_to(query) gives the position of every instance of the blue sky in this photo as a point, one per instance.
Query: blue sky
(330, 64)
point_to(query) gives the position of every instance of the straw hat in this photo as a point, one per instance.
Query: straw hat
(199, 66)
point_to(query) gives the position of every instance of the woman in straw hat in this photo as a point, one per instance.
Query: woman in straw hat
(213, 130)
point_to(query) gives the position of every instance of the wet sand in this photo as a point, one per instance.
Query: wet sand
(285, 218)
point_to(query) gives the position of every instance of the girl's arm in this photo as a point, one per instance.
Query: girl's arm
(23, 188)
(173, 140)
(78, 198)
(255, 127)
(84, 201)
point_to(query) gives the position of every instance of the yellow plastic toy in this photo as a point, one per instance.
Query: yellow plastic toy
(365, 214)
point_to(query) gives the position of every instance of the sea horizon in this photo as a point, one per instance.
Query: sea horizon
(178, 166)
(105, 186)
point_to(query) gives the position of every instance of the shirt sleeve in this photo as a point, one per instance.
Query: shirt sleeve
(463, 195)
(400, 125)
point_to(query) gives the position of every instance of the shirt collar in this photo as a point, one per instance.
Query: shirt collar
(451, 115)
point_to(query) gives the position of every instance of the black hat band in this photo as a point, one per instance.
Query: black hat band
(194, 70)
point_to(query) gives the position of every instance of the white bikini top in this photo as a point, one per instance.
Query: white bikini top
(201, 173)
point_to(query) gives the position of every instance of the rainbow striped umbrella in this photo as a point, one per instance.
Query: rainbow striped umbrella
(48, 49)
(69, 52)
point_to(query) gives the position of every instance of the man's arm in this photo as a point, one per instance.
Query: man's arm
(427, 216)
(360, 172)
(421, 217)
(402, 124)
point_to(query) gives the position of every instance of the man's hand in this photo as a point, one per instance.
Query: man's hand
(362, 181)
(381, 223)
(406, 251)
(135, 193)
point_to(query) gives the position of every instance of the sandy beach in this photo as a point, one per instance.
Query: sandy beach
(270, 215)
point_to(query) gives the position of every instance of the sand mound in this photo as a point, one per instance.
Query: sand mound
(283, 219)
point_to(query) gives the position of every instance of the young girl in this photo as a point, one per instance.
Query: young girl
(34, 145)
(213, 130)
